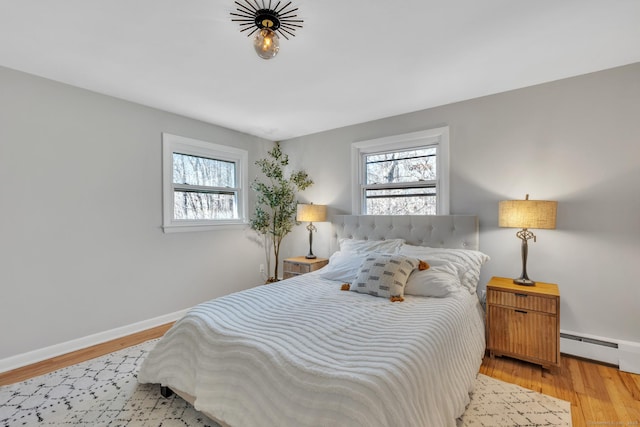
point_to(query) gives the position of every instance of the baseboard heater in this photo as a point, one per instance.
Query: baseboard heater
(588, 340)
(624, 354)
(589, 348)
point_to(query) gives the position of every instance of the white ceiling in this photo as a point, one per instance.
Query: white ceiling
(354, 60)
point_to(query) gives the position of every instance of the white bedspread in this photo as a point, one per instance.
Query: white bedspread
(303, 353)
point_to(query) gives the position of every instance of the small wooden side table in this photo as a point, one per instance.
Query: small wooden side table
(523, 322)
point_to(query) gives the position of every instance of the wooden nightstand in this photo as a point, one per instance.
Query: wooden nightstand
(523, 322)
(301, 265)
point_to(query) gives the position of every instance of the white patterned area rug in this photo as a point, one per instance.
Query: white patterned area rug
(105, 392)
(495, 403)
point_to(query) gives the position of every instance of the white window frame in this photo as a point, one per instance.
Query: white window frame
(438, 137)
(194, 147)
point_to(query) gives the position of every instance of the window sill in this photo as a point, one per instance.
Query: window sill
(181, 228)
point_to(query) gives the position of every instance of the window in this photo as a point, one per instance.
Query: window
(402, 175)
(204, 184)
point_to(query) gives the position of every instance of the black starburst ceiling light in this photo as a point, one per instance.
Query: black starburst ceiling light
(257, 16)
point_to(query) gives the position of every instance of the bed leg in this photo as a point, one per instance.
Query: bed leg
(166, 391)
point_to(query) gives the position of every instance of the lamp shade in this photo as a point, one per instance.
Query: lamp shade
(527, 214)
(311, 213)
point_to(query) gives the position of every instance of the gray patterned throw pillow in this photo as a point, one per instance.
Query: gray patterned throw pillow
(384, 275)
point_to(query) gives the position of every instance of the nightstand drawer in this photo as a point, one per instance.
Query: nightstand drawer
(301, 265)
(525, 334)
(294, 267)
(522, 300)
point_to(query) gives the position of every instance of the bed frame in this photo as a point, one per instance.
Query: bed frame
(437, 231)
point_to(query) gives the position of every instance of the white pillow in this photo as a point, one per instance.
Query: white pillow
(436, 281)
(384, 275)
(389, 246)
(467, 262)
(342, 267)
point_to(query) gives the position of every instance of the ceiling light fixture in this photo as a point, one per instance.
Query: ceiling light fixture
(268, 22)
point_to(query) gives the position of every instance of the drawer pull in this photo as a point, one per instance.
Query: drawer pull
(520, 311)
(521, 295)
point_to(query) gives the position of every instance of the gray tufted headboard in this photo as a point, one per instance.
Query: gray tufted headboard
(438, 231)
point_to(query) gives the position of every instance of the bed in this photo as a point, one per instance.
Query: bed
(303, 352)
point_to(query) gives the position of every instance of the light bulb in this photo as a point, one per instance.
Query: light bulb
(266, 43)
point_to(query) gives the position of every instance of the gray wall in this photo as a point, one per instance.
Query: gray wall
(82, 251)
(576, 141)
(81, 245)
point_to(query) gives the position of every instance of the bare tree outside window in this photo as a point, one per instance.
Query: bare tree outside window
(401, 182)
(204, 188)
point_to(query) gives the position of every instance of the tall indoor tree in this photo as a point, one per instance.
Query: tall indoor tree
(276, 203)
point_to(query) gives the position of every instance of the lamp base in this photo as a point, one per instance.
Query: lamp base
(524, 282)
(311, 229)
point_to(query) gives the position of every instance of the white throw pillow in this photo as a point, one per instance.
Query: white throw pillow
(467, 262)
(384, 275)
(342, 267)
(389, 246)
(436, 281)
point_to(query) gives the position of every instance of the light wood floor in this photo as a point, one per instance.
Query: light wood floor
(600, 395)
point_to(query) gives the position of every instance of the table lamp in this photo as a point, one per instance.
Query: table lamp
(311, 213)
(527, 214)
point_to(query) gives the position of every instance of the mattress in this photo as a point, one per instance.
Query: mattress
(301, 352)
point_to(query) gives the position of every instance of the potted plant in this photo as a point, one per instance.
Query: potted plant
(275, 211)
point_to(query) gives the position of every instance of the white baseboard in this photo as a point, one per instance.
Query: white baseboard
(625, 354)
(24, 359)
